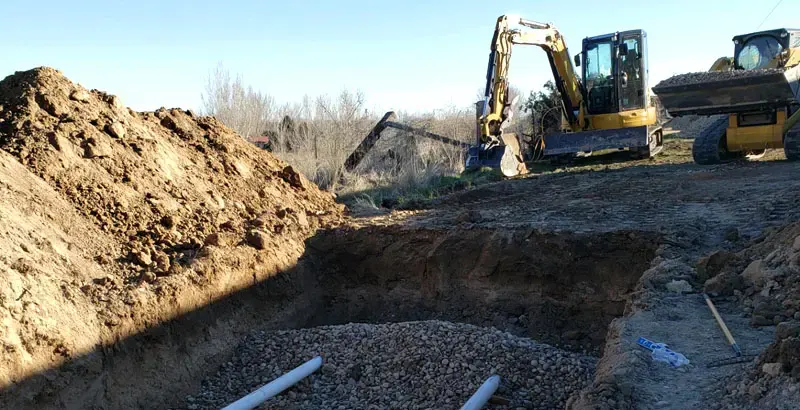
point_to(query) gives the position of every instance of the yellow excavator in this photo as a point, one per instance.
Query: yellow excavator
(755, 94)
(607, 107)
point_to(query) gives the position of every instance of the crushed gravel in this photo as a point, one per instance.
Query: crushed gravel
(714, 76)
(410, 365)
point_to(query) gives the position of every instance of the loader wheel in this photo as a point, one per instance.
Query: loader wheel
(710, 146)
(791, 144)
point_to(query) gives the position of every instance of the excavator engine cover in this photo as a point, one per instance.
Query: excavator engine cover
(595, 140)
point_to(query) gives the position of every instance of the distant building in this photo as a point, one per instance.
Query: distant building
(261, 141)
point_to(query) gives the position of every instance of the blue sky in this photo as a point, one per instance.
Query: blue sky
(405, 56)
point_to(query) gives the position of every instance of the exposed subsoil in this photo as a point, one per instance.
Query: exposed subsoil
(560, 289)
(114, 222)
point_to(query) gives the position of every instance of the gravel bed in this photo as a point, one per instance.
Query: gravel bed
(411, 365)
(714, 76)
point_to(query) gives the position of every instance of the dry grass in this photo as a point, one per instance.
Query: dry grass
(317, 135)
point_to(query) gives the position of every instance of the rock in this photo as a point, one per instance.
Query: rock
(732, 235)
(469, 216)
(142, 258)
(292, 177)
(796, 245)
(302, 219)
(679, 286)
(148, 277)
(724, 284)
(756, 273)
(256, 239)
(170, 221)
(767, 307)
(104, 281)
(162, 262)
(80, 95)
(787, 329)
(709, 266)
(772, 369)
(116, 130)
(759, 321)
(214, 239)
(797, 316)
(754, 392)
(93, 148)
(789, 353)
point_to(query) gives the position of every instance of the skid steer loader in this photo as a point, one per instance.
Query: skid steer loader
(755, 94)
(607, 106)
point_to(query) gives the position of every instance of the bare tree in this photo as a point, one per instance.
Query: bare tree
(241, 108)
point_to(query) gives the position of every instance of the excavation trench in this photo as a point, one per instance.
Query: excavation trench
(557, 288)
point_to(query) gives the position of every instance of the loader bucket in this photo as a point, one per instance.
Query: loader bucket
(729, 92)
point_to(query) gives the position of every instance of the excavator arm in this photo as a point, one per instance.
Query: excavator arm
(497, 109)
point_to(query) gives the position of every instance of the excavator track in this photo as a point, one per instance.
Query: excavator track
(708, 147)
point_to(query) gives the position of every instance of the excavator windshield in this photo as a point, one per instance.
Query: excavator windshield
(598, 75)
(758, 51)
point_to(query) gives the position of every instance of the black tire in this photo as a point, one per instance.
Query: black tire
(791, 144)
(709, 147)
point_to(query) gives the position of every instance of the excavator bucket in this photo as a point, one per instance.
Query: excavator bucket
(507, 157)
(728, 92)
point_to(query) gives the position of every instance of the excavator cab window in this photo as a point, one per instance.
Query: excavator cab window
(631, 73)
(758, 51)
(598, 69)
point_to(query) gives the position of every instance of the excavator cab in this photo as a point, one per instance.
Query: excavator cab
(614, 72)
(618, 114)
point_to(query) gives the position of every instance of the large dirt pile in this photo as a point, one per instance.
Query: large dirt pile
(112, 221)
(765, 279)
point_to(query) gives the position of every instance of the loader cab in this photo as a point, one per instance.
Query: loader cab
(758, 50)
(614, 72)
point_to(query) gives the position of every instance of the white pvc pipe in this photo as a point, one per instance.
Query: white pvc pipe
(484, 393)
(276, 386)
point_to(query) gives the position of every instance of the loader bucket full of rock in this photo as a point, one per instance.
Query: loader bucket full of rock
(728, 92)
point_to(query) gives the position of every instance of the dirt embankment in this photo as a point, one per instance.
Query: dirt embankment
(113, 221)
(557, 288)
(764, 280)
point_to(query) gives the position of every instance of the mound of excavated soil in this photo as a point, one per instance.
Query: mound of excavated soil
(112, 221)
